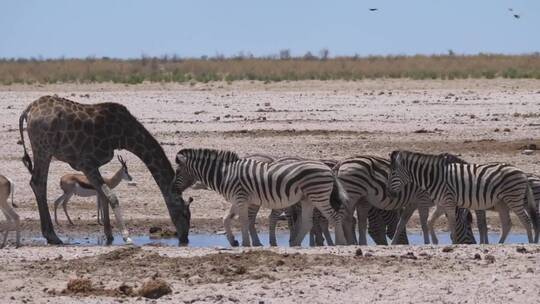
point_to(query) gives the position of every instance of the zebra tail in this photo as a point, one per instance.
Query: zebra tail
(339, 197)
(26, 158)
(533, 212)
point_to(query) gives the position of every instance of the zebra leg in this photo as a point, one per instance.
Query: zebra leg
(272, 222)
(377, 226)
(525, 219)
(404, 217)
(423, 213)
(323, 222)
(349, 224)
(431, 224)
(306, 222)
(315, 234)
(243, 215)
(481, 222)
(293, 220)
(252, 216)
(362, 209)
(227, 219)
(450, 211)
(504, 218)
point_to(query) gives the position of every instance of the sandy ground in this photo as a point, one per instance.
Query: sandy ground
(479, 119)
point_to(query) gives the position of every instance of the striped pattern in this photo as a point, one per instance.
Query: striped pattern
(473, 186)
(277, 185)
(365, 179)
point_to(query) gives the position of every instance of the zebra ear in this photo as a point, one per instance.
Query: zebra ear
(394, 156)
(180, 159)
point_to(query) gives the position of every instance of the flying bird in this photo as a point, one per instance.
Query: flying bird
(511, 9)
(373, 9)
(517, 16)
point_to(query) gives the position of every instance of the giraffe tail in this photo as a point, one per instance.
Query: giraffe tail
(26, 158)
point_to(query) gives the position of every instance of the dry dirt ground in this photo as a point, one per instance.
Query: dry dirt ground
(482, 120)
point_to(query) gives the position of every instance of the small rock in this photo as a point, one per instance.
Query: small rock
(409, 255)
(527, 152)
(521, 249)
(154, 289)
(477, 256)
(280, 263)
(447, 249)
(490, 258)
(506, 130)
(530, 270)
(155, 230)
(79, 285)
(358, 252)
(532, 147)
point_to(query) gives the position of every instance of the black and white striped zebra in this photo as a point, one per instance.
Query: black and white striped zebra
(365, 179)
(477, 187)
(277, 185)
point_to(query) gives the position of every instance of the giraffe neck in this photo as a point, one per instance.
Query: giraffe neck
(147, 148)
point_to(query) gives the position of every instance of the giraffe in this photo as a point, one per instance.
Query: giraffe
(85, 136)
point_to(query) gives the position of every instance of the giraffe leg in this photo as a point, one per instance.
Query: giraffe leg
(38, 183)
(99, 212)
(108, 198)
(107, 229)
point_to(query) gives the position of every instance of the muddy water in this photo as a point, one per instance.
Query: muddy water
(216, 240)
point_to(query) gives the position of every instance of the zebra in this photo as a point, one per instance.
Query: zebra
(365, 179)
(320, 224)
(464, 233)
(473, 186)
(277, 185)
(318, 234)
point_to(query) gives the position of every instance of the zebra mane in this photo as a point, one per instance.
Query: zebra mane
(448, 158)
(453, 159)
(218, 155)
(404, 154)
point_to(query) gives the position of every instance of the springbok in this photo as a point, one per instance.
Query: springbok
(79, 185)
(7, 187)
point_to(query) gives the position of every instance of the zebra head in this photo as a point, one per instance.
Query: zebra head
(399, 174)
(183, 178)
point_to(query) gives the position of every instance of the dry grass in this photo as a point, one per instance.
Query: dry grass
(267, 69)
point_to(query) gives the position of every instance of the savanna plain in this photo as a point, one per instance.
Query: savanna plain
(481, 120)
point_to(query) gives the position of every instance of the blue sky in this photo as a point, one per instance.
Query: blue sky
(129, 28)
